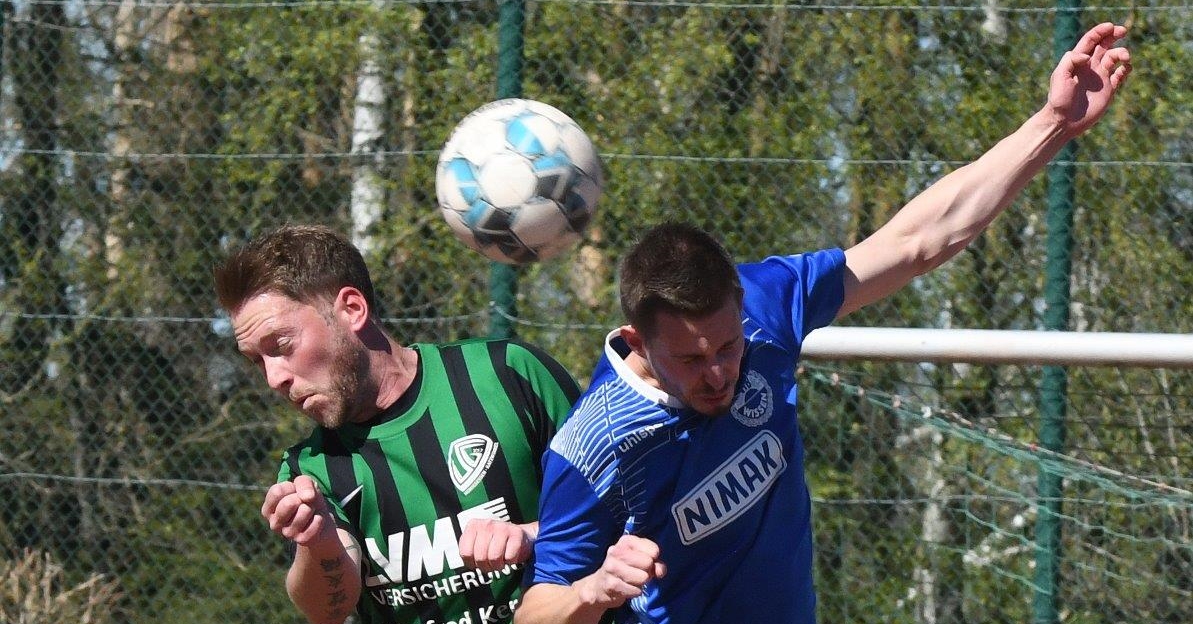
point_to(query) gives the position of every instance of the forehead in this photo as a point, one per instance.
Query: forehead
(268, 312)
(677, 334)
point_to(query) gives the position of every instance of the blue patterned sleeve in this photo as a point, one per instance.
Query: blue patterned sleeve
(575, 526)
(789, 296)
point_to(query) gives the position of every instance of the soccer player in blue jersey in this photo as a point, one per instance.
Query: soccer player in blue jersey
(675, 493)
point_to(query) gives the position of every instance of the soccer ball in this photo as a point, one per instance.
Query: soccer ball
(518, 181)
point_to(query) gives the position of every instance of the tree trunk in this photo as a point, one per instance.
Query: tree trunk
(368, 126)
(123, 47)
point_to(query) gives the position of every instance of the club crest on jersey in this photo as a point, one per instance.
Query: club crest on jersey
(755, 402)
(468, 459)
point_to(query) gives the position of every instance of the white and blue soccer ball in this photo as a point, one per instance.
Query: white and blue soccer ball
(518, 181)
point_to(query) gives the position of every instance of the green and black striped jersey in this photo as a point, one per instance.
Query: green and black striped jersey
(465, 441)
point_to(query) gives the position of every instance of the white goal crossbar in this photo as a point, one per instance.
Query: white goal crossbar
(992, 346)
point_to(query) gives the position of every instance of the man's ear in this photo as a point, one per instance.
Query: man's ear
(634, 339)
(352, 306)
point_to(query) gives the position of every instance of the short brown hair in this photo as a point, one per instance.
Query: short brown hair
(303, 262)
(676, 268)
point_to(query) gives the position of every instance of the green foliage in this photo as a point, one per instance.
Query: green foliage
(141, 144)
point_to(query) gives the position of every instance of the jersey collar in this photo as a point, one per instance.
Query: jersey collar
(616, 351)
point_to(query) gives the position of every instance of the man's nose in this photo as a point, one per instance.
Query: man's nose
(277, 375)
(715, 375)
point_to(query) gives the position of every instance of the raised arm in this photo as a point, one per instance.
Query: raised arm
(947, 216)
(324, 578)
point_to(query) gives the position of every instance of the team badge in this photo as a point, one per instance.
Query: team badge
(468, 459)
(755, 402)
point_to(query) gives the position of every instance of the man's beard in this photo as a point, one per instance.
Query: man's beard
(350, 384)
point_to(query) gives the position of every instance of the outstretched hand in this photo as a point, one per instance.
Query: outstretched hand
(1087, 77)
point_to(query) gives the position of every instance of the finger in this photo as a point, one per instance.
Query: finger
(630, 581)
(468, 546)
(632, 591)
(498, 547)
(1064, 77)
(303, 516)
(641, 545)
(1104, 34)
(618, 589)
(312, 531)
(1115, 56)
(515, 548)
(1120, 75)
(1072, 61)
(631, 573)
(283, 514)
(274, 495)
(306, 488)
(660, 569)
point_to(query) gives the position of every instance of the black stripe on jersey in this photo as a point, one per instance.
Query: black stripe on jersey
(476, 420)
(341, 479)
(536, 417)
(562, 378)
(428, 455)
(528, 406)
(292, 461)
(393, 516)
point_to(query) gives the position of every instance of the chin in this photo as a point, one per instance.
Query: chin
(327, 421)
(713, 411)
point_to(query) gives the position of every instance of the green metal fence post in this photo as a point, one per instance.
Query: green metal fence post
(503, 278)
(1054, 384)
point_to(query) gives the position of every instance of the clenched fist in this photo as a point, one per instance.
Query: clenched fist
(629, 565)
(297, 511)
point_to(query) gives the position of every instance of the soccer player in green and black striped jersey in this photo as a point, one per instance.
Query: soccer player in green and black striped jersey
(415, 498)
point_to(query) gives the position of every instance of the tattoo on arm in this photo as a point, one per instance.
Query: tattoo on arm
(337, 600)
(334, 580)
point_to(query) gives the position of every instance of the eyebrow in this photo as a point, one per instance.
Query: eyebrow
(695, 354)
(248, 347)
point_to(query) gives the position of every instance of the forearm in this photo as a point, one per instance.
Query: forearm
(324, 583)
(556, 604)
(945, 218)
(951, 213)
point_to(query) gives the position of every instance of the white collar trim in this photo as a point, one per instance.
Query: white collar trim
(632, 379)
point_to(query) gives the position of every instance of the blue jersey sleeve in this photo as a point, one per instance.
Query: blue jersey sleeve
(575, 526)
(789, 296)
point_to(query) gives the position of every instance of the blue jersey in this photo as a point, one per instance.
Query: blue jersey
(724, 498)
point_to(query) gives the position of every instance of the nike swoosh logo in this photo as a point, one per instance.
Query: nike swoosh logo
(351, 495)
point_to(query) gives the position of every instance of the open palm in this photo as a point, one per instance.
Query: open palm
(1087, 77)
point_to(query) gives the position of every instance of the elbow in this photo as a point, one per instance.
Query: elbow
(924, 255)
(521, 615)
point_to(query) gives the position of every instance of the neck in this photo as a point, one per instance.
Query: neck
(641, 367)
(396, 373)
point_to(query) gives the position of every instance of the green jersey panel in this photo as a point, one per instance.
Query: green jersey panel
(465, 441)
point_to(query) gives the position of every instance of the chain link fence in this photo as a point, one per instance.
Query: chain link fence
(140, 139)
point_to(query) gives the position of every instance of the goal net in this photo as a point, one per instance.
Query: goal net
(938, 499)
